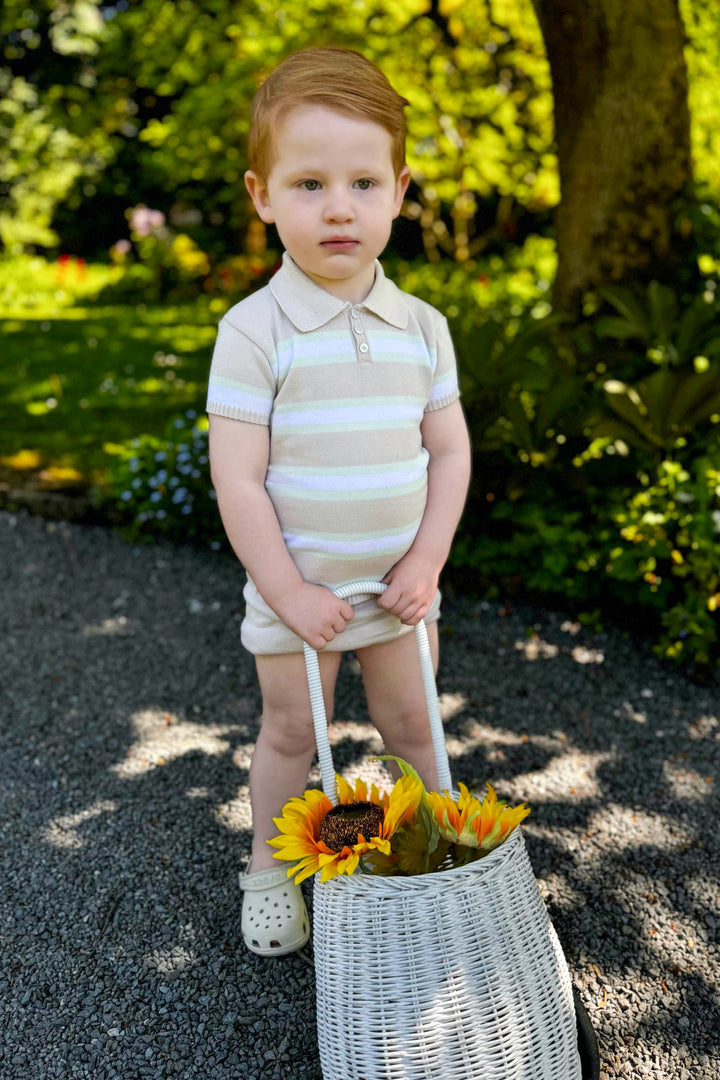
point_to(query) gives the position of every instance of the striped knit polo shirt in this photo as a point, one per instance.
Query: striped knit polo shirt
(344, 389)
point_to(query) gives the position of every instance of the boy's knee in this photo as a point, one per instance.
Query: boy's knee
(289, 731)
(410, 724)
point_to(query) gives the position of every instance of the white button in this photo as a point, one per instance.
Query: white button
(355, 313)
(363, 347)
(358, 329)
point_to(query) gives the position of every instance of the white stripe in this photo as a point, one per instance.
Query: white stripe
(443, 387)
(340, 481)
(398, 347)
(329, 546)
(338, 347)
(350, 415)
(259, 403)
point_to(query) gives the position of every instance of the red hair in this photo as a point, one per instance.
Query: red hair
(339, 79)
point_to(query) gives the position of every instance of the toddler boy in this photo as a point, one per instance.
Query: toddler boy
(338, 445)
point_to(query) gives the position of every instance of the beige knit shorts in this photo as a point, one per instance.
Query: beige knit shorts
(262, 632)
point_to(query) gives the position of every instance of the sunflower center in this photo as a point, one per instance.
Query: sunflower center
(342, 825)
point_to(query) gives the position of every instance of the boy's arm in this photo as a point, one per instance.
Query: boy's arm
(238, 462)
(413, 580)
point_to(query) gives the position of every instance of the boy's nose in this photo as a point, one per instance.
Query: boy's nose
(338, 207)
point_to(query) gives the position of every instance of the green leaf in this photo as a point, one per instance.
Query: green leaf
(521, 428)
(629, 412)
(663, 311)
(556, 402)
(690, 329)
(612, 326)
(625, 301)
(693, 399)
(657, 394)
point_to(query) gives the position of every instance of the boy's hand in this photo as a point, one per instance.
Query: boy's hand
(411, 587)
(314, 613)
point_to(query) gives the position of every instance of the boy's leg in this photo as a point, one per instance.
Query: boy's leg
(396, 700)
(286, 743)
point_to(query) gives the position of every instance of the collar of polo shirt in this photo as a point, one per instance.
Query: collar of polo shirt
(309, 307)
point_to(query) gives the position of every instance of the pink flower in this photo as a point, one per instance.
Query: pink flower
(145, 221)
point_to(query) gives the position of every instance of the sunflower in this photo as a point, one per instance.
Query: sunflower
(474, 827)
(451, 817)
(315, 835)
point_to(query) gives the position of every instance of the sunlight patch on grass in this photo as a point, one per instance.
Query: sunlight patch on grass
(78, 378)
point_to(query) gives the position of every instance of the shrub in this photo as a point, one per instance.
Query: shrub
(596, 469)
(160, 485)
(667, 541)
(28, 282)
(648, 551)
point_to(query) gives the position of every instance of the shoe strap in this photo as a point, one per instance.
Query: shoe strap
(265, 879)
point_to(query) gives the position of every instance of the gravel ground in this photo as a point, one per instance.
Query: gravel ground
(128, 712)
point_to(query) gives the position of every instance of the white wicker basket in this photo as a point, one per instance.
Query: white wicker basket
(455, 975)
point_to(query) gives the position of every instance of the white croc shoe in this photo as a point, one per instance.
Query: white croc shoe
(274, 917)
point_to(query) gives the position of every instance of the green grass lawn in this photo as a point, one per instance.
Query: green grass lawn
(77, 379)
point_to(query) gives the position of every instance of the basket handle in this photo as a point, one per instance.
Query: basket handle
(354, 590)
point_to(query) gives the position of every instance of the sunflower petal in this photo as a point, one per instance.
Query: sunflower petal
(345, 792)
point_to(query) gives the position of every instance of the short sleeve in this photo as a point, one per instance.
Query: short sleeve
(445, 388)
(242, 382)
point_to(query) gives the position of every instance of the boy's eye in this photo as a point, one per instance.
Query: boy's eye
(309, 185)
(365, 184)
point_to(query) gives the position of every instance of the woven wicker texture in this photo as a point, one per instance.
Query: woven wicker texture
(456, 975)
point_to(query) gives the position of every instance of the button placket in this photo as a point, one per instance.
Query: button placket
(361, 343)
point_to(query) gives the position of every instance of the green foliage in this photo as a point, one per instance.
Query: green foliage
(671, 337)
(668, 534)
(160, 485)
(702, 55)
(45, 74)
(660, 409)
(78, 379)
(647, 552)
(591, 489)
(31, 284)
(153, 98)
(104, 106)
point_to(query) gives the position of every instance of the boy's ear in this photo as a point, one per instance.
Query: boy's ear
(401, 186)
(258, 192)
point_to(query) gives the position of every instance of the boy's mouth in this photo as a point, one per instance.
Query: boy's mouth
(339, 244)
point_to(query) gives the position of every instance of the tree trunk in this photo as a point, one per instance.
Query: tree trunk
(623, 136)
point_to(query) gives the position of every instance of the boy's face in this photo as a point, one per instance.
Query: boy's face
(333, 195)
